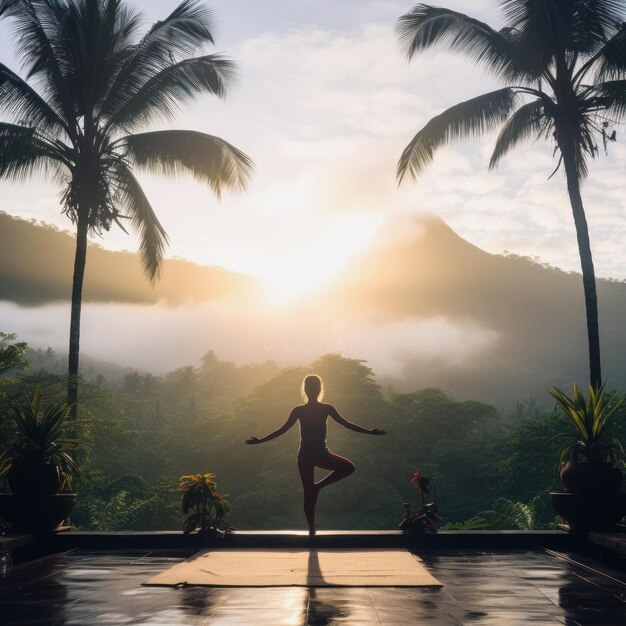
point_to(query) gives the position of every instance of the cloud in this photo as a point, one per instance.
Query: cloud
(159, 338)
(344, 104)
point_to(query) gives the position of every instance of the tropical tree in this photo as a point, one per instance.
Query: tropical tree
(93, 84)
(564, 64)
(11, 352)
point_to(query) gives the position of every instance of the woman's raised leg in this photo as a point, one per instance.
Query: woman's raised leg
(340, 466)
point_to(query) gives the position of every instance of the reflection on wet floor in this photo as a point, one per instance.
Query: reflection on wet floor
(500, 588)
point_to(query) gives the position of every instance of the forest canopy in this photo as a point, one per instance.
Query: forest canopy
(141, 432)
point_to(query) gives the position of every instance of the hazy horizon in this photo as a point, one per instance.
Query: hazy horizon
(423, 306)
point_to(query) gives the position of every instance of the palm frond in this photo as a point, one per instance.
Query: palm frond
(38, 26)
(426, 26)
(94, 47)
(185, 31)
(469, 118)
(610, 97)
(6, 6)
(586, 146)
(20, 101)
(611, 60)
(577, 26)
(135, 205)
(527, 121)
(162, 96)
(592, 22)
(128, 21)
(36, 29)
(207, 158)
(23, 152)
(115, 46)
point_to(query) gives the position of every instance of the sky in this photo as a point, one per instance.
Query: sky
(324, 104)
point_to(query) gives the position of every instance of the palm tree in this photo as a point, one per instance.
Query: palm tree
(565, 66)
(92, 81)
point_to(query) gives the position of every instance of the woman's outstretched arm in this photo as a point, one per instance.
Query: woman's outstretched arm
(291, 420)
(334, 413)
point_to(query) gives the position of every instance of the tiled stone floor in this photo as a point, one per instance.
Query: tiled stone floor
(501, 588)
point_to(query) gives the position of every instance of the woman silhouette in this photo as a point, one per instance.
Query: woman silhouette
(313, 451)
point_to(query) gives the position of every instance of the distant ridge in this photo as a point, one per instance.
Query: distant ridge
(538, 311)
(430, 269)
(414, 269)
(36, 264)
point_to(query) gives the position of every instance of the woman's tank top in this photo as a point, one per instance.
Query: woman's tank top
(312, 437)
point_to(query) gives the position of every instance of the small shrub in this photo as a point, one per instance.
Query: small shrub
(207, 507)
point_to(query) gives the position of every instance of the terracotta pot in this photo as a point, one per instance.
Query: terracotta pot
(591, 478)
(36, 513)
(27, 478)
(590, 511)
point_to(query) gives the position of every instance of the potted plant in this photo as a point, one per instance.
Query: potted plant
(38, 465)
(588, 460)
(206, 507)
(426, 519)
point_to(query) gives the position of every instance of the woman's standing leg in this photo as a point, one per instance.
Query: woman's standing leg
(307, 475)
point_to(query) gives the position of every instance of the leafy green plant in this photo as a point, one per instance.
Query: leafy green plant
(120, 512)
(208, 507)
(426, 519)
(505, 515)
(592, 435)
(508, 515)
(39, 438)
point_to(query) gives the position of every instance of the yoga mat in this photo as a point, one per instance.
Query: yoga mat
(298, 567)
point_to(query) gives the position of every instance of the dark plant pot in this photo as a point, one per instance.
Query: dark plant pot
(590, 511)
(591, 478)
(26, 478)
(36, 513)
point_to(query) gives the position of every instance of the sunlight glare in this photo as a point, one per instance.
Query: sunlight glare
(293, 272)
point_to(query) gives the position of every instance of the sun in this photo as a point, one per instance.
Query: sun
(292, 281)
(294, 270)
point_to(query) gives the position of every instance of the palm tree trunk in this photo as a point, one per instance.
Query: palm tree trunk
(586, 263)
(77, 295)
